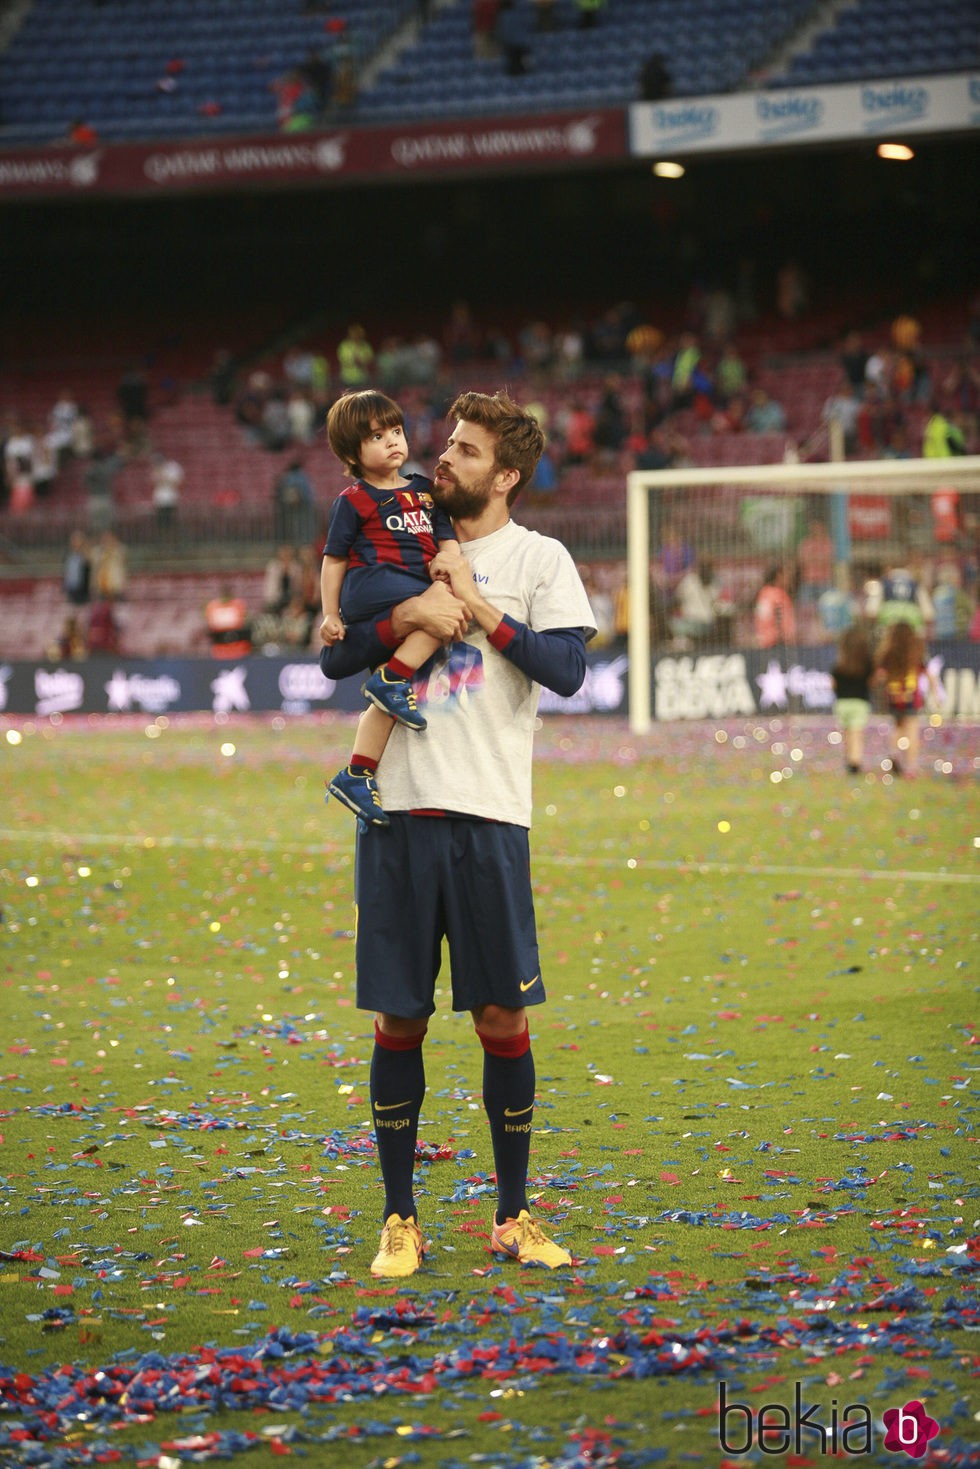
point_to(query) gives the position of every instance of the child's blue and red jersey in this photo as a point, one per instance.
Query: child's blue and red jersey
(388, 538)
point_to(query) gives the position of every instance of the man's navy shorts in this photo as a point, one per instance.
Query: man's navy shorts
(424, 878)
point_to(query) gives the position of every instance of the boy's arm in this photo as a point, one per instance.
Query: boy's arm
(435, 611)
(332, 573)
(447, 554)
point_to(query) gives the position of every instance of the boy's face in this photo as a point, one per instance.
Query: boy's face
(384, 450)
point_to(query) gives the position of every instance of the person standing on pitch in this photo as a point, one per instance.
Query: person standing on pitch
(384, 531)
(456, 853)
(851, 678)
(902, 670)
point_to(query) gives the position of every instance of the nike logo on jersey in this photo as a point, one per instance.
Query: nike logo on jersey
(529, 983)
(389, 1106)
(517, 1111)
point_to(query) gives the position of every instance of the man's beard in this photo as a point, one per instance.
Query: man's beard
(464, 502)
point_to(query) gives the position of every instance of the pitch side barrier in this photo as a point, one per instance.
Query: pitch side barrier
(709, 684)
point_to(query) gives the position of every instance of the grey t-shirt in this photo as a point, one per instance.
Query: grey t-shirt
(475, 755)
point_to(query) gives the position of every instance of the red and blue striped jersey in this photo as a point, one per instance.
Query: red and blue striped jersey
(400, 528)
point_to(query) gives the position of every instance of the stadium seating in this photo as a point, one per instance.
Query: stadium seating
(890, 38)
(709, 46)
(193, 67)
(162, 615)
(161, 68)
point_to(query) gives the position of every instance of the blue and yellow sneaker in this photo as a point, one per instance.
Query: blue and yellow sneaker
(394, 696)
(359, 793)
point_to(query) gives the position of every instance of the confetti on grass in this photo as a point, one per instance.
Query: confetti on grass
(287, 1371)
(747, 1021)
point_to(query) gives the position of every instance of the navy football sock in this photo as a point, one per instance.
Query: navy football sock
(397, 1090)
(508, 1096)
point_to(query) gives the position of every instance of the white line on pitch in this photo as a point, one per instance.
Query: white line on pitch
(148, 842)
(540, 859)
(729, 869)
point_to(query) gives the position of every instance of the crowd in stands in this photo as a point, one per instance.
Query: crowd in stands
(626, 386)
(95, 578)
(612, 391)
(285, 621)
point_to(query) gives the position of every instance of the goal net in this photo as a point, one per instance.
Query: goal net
(827, 536)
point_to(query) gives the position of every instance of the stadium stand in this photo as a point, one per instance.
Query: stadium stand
(169, 68)
(227, 493)
(163, 615)
(710, 46)
(228, 476)
(889, 38)
(193, 68)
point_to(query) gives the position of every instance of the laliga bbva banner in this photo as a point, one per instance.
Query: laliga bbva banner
(708, 684)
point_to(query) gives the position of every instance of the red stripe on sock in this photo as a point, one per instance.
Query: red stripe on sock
(363, 762)
(511, 1045)
(399, 669)
(398, 1042)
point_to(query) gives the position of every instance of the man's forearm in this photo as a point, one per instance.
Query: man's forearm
(435, 611)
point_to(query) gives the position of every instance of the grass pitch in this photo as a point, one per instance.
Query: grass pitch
(754, 1128)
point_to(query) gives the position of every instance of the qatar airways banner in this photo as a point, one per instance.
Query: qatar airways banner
(892, 109)
(301, 159)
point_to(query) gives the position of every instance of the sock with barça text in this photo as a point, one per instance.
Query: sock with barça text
(397, 1090)
(508, 1096)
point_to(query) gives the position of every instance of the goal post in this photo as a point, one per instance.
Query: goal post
(744, 517)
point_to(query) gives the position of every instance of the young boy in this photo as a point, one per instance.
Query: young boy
(384, 531)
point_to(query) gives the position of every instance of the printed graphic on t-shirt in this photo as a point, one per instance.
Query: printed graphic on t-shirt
(450, 676)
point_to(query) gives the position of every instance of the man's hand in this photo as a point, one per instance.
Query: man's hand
(457, 573)
(436, 611)
(448, 556)
(332, 630)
